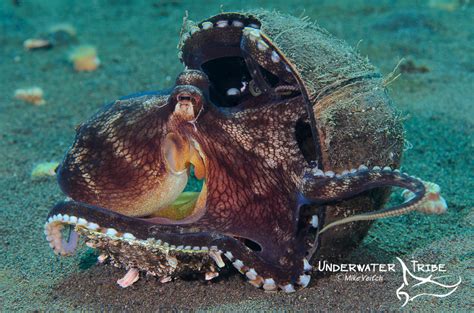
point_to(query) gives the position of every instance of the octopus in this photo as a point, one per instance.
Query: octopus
(276, 142)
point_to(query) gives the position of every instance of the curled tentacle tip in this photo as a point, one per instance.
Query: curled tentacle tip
(434, 203)
(407, 195)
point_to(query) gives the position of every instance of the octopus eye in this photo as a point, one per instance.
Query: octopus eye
(188, 101)
(184, 97)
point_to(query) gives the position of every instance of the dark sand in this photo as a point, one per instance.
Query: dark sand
(136, 44)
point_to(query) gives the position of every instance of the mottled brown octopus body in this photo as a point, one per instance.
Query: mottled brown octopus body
(273, 176)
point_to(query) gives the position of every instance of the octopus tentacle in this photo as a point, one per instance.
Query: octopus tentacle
(259, 80)
(256, 44)
(322, 187)
(163, 250)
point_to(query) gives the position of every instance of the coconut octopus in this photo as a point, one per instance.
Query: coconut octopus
(289, 133)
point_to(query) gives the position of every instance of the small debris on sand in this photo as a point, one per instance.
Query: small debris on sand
(45, 169)
(63, 27)
(62, 34)
(57, 34)
(84, 58)
(410, 66)
(33, 95)
(36, 43)
(447, 5)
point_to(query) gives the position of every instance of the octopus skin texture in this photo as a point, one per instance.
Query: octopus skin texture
(276, 119)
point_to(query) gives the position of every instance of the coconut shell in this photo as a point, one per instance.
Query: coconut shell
(355, 119)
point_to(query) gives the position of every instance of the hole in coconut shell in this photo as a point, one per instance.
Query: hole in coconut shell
(230, 80)
(224, 74)
(252, 245)
(305, 140)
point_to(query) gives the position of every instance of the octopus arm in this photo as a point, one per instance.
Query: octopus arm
(325, 187)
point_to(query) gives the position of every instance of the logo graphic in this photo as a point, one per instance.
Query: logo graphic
(414, 286)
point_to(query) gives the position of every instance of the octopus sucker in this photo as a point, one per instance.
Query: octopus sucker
(420, 196)
(250, 161)
(129, 279)
(172, 266)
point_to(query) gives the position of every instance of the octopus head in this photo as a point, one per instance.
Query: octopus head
(135, 156)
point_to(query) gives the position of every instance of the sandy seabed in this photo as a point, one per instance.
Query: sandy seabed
(136, 42)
